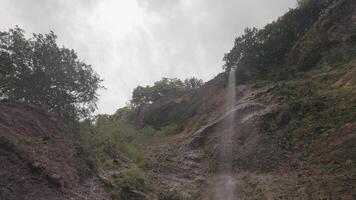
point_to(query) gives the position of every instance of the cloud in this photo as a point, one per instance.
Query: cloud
(136, 42)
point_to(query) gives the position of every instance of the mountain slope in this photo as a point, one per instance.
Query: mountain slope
(294, 135)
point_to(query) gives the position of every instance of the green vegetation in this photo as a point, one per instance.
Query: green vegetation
(316, 107)
(34, 140)
(108, 141)
(321, 113)
(149, 94)
(263, 53)
(120, 147)
(37, 71)
(170, 196)
(133, 178)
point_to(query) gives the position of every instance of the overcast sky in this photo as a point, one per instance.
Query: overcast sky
(137, 42)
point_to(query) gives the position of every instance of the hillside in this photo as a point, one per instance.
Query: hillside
(294, 136)
(36, 161)
(293, 116)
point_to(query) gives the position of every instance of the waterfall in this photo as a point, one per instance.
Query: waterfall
(231, 91)
(224, 182)
(229, 123)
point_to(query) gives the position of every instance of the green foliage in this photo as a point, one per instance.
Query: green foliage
(169, 130)
(149, 135)
(127, 180)
(120, 148)
(174, 195)
(36, 70)
(166, 86)
(302, 3)
(314, 110)
(124, 114)
(192, 83)
(243, 47)
(108, 139)
(305, 3)
(331, 167)
(261, 52)
(133, 152)
(130, 176)
(34, 140)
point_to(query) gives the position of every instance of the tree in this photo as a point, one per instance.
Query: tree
(245, 46)
(37, 71)
(263, 51)
(166, 86)
(192, 83)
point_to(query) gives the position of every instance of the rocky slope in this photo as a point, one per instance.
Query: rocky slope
(36, 161)
(265, 166)
(294, 139)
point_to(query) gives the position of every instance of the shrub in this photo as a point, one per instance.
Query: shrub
(174, 195)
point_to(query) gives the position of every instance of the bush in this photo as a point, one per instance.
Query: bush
(108, 138)
(170, 196)
(127, 181)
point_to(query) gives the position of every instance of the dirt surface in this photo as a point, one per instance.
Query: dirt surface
(35, 161)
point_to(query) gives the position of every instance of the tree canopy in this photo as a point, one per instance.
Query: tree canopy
(261, 51)
(166, 86)
(38, 71)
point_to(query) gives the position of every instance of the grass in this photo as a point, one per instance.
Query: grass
(331, 167)
(34, 140)
(174, 195)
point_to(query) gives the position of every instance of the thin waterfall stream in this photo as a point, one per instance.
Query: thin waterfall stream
(224, 182)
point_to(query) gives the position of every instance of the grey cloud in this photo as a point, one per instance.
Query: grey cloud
(173, 38)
